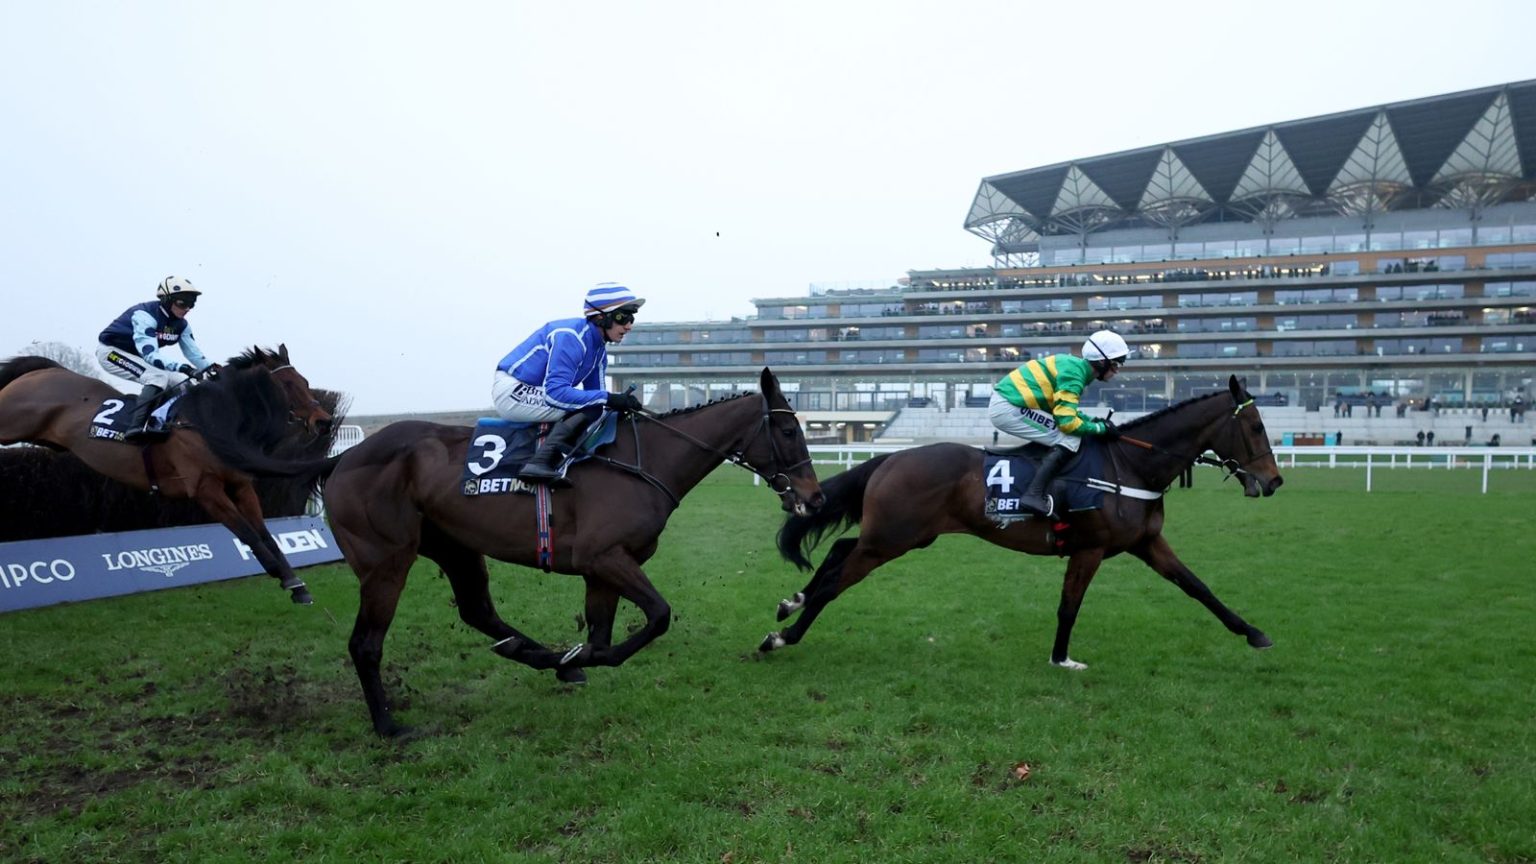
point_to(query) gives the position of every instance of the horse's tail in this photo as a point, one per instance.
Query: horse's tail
(843, 507)
(16, 367)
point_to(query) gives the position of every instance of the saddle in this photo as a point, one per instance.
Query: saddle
(499, 448)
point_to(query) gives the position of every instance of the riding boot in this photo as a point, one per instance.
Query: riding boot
(139, 419)
(1034, 499)
(544, 467)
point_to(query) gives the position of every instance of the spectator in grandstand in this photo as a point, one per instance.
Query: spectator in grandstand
(134, 346)
(557, 375)
(1420, 436)
(1039, 402)
(1429, 438)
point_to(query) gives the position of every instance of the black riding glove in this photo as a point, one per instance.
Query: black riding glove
(1111, 431)
(187, 369)
(624, 402)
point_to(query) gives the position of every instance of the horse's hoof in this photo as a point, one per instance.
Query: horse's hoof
(1258, 640)
(792, 605)
(396, 732)
(1069, 663)
(570, 675)
(771, 642)
(301, 597)
(578, 652)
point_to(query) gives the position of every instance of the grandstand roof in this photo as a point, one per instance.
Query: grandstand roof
(1460, 150)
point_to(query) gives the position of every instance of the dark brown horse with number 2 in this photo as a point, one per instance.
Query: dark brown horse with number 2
(398, 495)
(220, 437)
(904, 501)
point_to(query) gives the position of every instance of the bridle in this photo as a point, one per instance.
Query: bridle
(293, 413)
(1230, 465)
(736, 457)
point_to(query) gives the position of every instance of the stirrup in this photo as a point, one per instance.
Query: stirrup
(1046, 499)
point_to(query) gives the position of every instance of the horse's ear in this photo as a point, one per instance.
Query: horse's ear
(1238, 386)
(769, 384)
(282, 351)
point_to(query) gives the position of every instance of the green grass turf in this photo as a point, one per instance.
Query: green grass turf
(1393, 721)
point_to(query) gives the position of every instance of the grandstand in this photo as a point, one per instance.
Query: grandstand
(1382, 254)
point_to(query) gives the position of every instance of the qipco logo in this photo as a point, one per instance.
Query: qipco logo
(41, 572)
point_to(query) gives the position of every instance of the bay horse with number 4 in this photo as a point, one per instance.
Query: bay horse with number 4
(903, 501)
(398, 495)
(218, 440)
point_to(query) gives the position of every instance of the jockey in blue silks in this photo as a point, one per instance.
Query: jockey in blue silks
(557, 375)
(133, 346)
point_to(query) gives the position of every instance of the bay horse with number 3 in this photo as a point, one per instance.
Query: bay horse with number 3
(905, 500)
(219, 439)
(398, 495)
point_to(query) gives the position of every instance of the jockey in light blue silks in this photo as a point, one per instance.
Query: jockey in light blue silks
(557, 375)
(133, 346)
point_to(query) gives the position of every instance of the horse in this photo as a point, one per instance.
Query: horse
(221, 436)
(397, 496)
(905, 500)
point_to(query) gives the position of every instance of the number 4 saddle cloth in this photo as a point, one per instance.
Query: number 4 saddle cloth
(499, 448)
(1079, 486)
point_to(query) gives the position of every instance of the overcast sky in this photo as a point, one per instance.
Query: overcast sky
(402, 191)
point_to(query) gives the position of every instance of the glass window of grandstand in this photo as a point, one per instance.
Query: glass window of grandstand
(1511, 260)
(1523, 234)
(1130, 392)
(1341, 321)
(1218, 325)
(1509, 289)
(721, 358)
(1506, 344)
(870, 356)
(1206, 350)
(869, 310)
(940, 355)
(1187, 385)
(1386, 241)
(1350, 267)
(732, 335)
(645, 359)
(1289, 297)
(1219, 298)
(942, 331)
(1492, 235)
(787, 357)
(1348, 243)
(1487, 388)
(1314, 348)
(1455, 237)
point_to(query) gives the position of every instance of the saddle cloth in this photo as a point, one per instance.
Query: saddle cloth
(499, 448)
(111, 422)
(1007, 474)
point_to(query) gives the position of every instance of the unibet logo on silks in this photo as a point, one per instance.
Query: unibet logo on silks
(165, 560)
(289, 542)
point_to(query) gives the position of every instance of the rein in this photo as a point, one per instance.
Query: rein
(737, 457)
(1232, 467)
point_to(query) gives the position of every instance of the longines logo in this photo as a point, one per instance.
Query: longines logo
(165, 560)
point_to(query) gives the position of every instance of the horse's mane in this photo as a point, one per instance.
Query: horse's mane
(692, 408)
(1148, 418)
(242, 412)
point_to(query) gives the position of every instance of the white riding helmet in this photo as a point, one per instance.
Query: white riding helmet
(171, 286)
(1105, 345)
